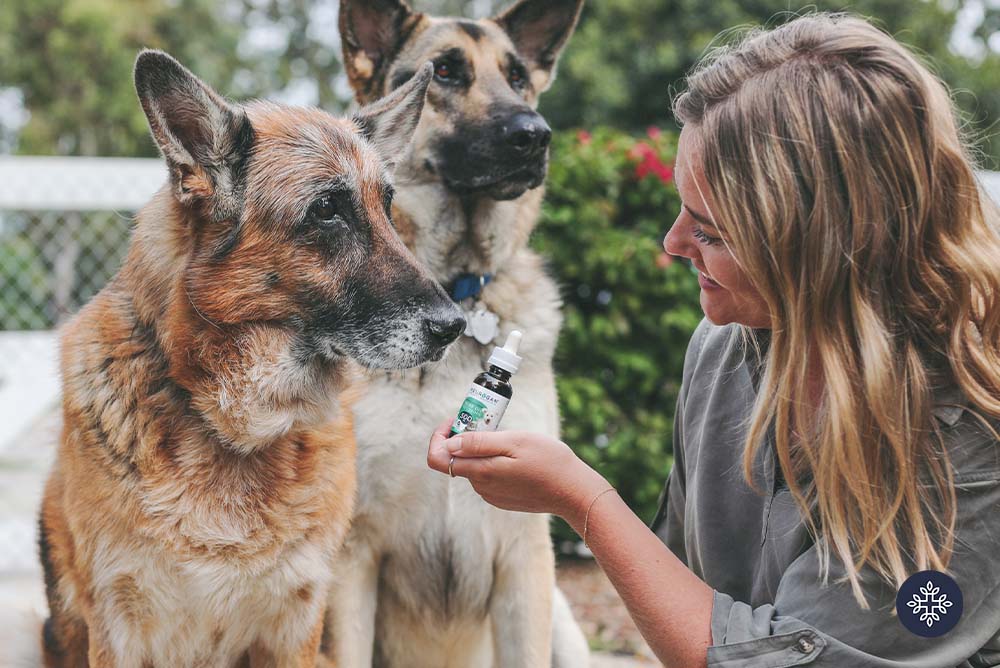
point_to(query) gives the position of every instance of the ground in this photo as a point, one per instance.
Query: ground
(24, 463)
(602, 616)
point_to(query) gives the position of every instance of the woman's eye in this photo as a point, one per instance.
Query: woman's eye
(442, 71)
(324, 209)
(700, 235)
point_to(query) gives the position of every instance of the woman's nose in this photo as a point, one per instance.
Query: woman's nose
(674, 242)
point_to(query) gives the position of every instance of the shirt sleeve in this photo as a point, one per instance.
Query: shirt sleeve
(824, 627)
(668, 524)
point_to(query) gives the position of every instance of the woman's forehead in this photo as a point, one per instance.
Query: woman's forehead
(687, 167)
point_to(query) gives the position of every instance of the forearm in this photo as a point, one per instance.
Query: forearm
(671, 606)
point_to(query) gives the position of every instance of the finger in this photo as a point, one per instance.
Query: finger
(482, 444)
(438, 458)
(437, 455)
(441, 432)
(444, 427)
(474, 468)
(444, 462)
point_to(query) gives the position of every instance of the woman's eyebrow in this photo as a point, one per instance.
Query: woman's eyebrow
(704, 220)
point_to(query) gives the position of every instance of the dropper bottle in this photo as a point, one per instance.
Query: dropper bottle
(487, 399)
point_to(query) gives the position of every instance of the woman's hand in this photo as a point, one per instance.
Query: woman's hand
(518, 470)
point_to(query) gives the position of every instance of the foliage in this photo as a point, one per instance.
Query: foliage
(627, 55)
(300, 55)
(629, 311)
(71, 60)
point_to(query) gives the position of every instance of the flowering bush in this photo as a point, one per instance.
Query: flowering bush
(629, 309)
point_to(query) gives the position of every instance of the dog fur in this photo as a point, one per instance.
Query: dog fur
(431, 576)
(206, 472)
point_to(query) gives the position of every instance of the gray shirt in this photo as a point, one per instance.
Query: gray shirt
(771, 608)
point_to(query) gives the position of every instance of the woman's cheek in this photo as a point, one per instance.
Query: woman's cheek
(718, 269)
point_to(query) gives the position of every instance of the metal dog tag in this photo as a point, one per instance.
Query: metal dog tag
(482, 325)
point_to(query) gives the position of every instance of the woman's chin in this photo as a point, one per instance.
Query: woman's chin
(716, 313)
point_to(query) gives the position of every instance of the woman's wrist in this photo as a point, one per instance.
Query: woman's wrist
(587, 486)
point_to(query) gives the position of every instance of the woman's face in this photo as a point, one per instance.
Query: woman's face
(726, 294)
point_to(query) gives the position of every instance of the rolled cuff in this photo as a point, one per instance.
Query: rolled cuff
(745, 637)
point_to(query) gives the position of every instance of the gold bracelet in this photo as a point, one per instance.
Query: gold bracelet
(586, 519)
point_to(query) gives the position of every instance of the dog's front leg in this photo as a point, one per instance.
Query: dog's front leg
(350, 617)
(306, 655)
(101, 654)
(521, 606)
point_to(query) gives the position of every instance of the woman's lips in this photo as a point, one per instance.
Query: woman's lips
(707, 283)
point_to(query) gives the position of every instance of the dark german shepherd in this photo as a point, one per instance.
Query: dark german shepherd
(431, 576)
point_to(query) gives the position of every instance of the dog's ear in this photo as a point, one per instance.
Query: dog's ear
(205, 140)
(540, 30)
(389, 123)
(371, 32)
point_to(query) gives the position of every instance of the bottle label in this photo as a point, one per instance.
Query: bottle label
(482, 410)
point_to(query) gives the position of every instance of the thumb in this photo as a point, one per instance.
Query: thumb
(482, 444)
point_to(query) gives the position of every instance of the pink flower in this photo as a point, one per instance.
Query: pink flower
(664, 260)
(650, 163)
(640, 151)
(653, 132)
(584, 137)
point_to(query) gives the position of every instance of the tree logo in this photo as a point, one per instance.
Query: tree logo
(929, 604)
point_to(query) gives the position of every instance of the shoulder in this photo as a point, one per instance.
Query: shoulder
(713, 348)
(972, 441)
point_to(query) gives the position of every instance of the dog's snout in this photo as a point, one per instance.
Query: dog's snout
(445, 326)
(527, 133)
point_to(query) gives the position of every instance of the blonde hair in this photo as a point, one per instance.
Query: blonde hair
(846, 194)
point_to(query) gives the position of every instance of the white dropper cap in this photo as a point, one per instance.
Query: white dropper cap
(506, 358)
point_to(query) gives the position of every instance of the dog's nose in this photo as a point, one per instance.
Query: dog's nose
(527, 133)
(444, 327)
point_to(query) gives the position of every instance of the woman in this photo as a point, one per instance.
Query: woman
(850, 361)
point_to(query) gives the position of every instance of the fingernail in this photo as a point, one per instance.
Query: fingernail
(453, 444)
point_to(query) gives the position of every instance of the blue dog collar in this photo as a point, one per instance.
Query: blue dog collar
(469, 285)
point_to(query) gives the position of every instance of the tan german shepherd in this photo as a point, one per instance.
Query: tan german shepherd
(431, 576)
(206, 472)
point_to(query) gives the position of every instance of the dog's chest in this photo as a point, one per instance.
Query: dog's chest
(206, 612)
(212, 569)
(422, 521)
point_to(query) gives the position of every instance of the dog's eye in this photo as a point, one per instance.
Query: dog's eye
(517, 79)
(442, 71)
(324, 210)
(387, 203)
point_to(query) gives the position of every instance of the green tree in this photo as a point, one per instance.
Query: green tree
(627, 55)
(72, 61)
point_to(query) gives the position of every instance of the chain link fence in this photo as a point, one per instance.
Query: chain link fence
(64, 231)
(53, 262)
